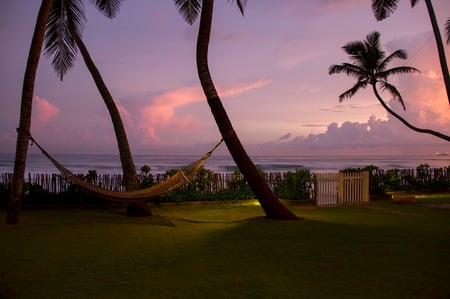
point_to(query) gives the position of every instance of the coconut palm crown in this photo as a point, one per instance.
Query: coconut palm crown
(384, 8)
(369, 67)
(66, 19)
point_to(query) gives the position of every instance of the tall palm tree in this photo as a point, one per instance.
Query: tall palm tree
(23, 133)
(270, 204)
(62, 39)
(383, 8)
(370, 68)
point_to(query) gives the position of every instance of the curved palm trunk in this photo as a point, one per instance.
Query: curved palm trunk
(129, 170)
(426, 131)
(270, 204)
(440, 47)
(17, 182)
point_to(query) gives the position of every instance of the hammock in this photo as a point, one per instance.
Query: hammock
(180, 178)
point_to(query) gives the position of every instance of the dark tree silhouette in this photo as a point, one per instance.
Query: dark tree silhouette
(63, 38)
(270, 204)
(383, 9)
(17, 182)
(370, 68)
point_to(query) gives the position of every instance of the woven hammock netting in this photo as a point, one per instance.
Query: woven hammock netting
(180, 178)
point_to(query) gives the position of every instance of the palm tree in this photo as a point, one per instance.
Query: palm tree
(370, 68)
(63, 38)
(382, 9)
(17, 182)
(270, 204)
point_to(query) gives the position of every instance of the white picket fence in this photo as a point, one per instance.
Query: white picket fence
(342, 188)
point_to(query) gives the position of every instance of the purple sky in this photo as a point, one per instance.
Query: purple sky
(270, 68)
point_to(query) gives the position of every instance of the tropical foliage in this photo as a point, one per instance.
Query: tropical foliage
(62, 40)
(383, 9)
(64, 33)
(296, 184)
(370, 67)
(447, 30)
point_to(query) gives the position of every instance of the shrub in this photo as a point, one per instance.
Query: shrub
(146, 178)
(294, 185)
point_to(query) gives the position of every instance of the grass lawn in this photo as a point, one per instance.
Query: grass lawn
(376, 250)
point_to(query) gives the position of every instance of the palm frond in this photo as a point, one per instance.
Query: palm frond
(348, 69)
(356, 52)
(189, 9)
(372, 40)
(383, 8)
(352, 91)
(401, 54)
(109, 8)
(241, 5)
(65, 17)
(372, 51)
(414, 2)
(447, 30)
(353, 47)
(393, 91)
(397, 71)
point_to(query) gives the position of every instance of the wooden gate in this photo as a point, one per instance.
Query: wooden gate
(342, 188)
(327, 189)
(353, 187)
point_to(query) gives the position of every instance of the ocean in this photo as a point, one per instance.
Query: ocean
(110, 164)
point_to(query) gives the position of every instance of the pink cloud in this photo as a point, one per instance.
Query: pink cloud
(44, 111)
(243, 87)
(426, 100)
(161, 114)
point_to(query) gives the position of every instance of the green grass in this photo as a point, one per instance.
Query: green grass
(376, 250)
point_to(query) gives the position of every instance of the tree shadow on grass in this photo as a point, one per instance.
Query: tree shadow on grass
(260, 257)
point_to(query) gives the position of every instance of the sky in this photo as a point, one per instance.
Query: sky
(270, 67)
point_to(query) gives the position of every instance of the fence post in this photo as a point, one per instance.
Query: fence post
(366, 186)
(340, 192)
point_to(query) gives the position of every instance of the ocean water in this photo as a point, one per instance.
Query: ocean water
(81, 164)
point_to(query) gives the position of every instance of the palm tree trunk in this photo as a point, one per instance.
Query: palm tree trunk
(129, 170)
(17, 182)
(139, 209)
(440, 47)
(426, 131)
(270, 204)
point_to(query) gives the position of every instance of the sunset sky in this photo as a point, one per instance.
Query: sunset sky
(270, 68)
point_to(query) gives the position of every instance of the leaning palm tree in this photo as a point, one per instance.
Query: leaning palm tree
(370, 68)
(23, 132)
(270, 204)
(383, 8)
(62, 39)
